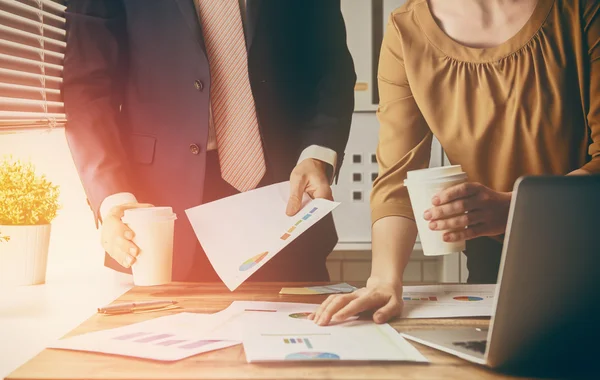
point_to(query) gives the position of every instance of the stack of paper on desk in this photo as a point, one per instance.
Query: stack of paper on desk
(243, 232)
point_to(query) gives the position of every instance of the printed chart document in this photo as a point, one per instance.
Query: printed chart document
(243, 232)
(285, 336)
(167, 338)
(448, 301)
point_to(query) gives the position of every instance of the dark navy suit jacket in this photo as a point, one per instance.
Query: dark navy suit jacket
(136, 92)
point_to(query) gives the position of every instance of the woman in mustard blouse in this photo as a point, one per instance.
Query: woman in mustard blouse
(509, 88)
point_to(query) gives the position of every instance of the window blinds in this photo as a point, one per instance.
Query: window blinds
(32, 46)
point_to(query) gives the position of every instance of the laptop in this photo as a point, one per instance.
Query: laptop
(547, 306)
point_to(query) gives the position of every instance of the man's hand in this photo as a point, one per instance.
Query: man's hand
(117, 238)
(385, 299)
(469, 210)
(309, 176)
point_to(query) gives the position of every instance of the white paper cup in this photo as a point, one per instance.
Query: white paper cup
(153, 229)
(422, 185)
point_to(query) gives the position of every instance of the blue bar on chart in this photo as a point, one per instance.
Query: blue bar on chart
(130, 336)
(305, 217)
(152, 338)
(199, 343)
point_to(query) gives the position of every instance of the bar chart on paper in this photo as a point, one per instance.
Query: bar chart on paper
(166, 338)
(304, 218)
(302, 341)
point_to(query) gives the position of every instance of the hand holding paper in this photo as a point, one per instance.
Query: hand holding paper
(243, 232)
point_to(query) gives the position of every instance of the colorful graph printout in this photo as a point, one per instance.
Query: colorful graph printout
(305, 217)
(312, 356)
(251, 262)
(304, 341)
(249, 223)
(468, 298)
(419, 298)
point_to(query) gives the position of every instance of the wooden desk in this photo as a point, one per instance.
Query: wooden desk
(230, 363)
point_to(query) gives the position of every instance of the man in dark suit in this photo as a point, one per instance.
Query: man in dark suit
(182, 102)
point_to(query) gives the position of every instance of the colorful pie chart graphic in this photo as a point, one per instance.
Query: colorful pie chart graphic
(468, 298)
(312, 356)
(299, 315)
(251, 262)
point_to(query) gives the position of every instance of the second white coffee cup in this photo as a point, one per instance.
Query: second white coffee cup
(422, 185)
(153, 230)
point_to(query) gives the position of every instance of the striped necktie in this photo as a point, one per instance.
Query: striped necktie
(233, 110)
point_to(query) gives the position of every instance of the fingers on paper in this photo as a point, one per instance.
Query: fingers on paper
(337, 303)
(297, 186)
(368, 301)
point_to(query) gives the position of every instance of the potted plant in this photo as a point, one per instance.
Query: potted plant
(28, 203)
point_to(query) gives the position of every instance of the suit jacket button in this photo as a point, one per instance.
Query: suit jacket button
(194, 148)
(199, 85)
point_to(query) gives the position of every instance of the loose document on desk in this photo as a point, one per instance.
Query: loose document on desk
(243, 232)
(168, 338)
(448, 301)
(282, 336)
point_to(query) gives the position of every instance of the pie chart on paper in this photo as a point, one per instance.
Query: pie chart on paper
(253, 261)
(468, 298)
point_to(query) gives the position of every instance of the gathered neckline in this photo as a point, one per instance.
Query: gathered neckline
(460, 52)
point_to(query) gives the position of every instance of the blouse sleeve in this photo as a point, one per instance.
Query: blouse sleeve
(591, 19)
(404, 136)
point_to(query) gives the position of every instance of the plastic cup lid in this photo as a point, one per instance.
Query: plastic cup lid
(431, 173)
(148, 214)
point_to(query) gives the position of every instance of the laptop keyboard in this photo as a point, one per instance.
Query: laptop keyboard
(474, 345)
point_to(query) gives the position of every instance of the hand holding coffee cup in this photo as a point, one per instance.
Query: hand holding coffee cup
(423, 185)
(117, 238)
(153, 229)
(467, 211)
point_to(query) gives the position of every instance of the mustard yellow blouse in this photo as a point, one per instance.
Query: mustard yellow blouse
(528, 106)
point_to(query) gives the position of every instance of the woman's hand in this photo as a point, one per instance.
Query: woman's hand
(469, 210)
(385, 299)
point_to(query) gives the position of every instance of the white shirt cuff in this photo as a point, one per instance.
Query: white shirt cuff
(115, 200)
(317, 152)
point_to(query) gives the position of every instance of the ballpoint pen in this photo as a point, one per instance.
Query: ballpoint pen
(134, 306)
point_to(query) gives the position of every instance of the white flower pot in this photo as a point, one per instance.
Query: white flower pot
(23, 258)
